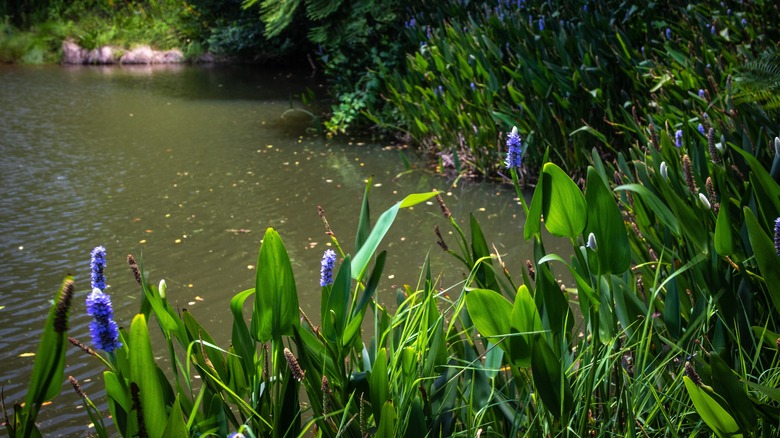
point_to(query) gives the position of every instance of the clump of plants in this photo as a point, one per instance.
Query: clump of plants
(668, 323)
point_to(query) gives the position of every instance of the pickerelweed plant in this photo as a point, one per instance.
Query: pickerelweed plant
(668, 326)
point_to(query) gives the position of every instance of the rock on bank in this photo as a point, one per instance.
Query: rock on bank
(74, 54)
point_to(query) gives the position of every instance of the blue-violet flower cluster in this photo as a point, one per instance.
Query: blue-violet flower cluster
(326, 270)
(777, 236)
(678, 138)
(514, 154)
(98, 265)
(103, 328)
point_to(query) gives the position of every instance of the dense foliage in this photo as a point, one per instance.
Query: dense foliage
(669, 326)
(668, 323)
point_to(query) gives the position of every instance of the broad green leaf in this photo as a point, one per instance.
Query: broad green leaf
(727, 384)
(386, 219)
(767, 259)
(659, 208)
(564, 207)
(378, 383)
(119, 403)
(388, 421)
(724, 236)
(359, 311)
(241, 338)
(533, 220)
(606, 223)
(276, 298)
(364, 224)
(770, 203)
(144, 374)
(490, 312)
(549, 379)
(49, 367)
(525, 319)
(720, 421)
(176, 427)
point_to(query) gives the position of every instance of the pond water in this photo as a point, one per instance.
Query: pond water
(186, 167)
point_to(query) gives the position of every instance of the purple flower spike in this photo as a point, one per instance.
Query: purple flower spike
(103, 328)
(326, 270)
(777, 236)
(678, 138)
(514, 154)
(98, 265)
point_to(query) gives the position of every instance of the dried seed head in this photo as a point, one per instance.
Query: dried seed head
(134, 268)
(653, 136)
(531, 270)
(63, 306)
(76, 386)
(292, 362)
(714, 154)
(688, 172)
(81, 346)
(691, 373)
(321, 212)
(445, 211)
(326, 394)
(439, 239)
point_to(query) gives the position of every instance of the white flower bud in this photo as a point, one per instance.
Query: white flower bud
(777, 146)
(664, 171)
(162, 288)
(705, 201)
(592, 242)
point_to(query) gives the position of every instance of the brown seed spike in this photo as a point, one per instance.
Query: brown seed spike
(531, 270)
(139, 413)
(63, 306)
(714, 154)
(445, 211)
(439, 239)
(688, 172)
(81, 346)
(691, 373)
(292, 362)
(134, 268)
(76, 386)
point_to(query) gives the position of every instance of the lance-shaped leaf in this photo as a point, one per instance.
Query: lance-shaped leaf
(276, 298)
(606, 224)
(563, 206)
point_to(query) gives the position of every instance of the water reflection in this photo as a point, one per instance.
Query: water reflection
(186, 168)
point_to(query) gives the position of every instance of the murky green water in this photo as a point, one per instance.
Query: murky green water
(185, 168)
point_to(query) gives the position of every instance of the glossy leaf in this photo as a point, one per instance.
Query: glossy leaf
(388, 421)
(563, 206)
(276, 298)
(720, 421)
(766, 257)
(724, 235)
(383, 224)
(380, 393)
(549, 380)
(176, 425)
(490, 312)
(606, 223)
(144, 374)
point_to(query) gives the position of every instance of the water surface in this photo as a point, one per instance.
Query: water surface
(186, 168)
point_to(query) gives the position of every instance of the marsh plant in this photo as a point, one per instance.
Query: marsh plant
(668, 325)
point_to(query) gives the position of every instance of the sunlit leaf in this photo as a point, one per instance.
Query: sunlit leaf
(564, 207)
(720, 421)
(276, 298)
